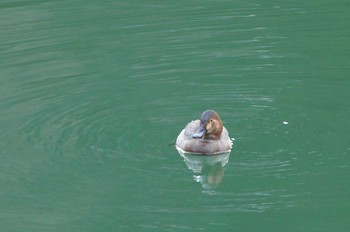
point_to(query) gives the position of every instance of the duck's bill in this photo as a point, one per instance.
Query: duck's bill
(199, 134)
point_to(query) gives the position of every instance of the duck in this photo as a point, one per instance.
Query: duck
(204, 136)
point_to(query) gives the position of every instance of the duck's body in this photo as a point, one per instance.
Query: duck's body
(205, 136)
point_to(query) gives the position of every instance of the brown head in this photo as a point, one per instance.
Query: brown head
(210, 126)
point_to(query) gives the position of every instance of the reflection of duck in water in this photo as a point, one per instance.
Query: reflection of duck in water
(205, 136)
(208, 170)
(205, 146)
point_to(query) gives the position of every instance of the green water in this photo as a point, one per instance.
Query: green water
(92, 94)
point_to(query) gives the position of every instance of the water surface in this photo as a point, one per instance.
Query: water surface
(92, 94)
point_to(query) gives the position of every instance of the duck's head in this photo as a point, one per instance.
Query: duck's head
(210, 126)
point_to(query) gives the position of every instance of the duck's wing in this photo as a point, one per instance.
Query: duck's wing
(191, 128)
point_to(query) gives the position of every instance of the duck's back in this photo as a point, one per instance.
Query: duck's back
(203, 146)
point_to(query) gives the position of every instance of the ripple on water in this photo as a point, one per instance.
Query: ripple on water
(69, 119)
